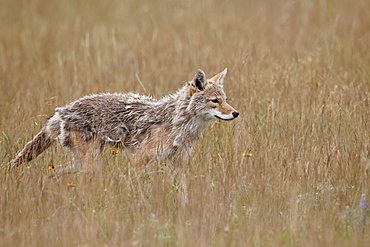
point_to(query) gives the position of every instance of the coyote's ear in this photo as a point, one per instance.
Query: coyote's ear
(219, 78)
(198, 83)
(199, 80)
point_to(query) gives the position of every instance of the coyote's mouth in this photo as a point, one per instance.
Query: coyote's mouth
(225, 119)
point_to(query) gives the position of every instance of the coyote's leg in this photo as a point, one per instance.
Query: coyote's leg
(71, 167)
(86, 156)
(179, 178)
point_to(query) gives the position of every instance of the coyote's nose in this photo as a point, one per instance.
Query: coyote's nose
(235, 114)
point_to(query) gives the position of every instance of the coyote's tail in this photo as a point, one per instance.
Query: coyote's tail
(43, 140)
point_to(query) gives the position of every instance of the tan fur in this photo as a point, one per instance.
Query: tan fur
(153, 130)
(216, 78)
(158, 141)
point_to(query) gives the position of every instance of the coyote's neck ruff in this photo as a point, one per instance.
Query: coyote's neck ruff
(154, 130)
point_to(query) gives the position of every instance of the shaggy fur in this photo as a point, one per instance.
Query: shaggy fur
(154, 130)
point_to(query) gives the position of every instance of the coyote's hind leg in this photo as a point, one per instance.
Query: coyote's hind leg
(71, 167)
(86, 156)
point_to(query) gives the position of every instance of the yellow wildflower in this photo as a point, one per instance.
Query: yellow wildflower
(247, 155)
(51, 168)
(112, 151)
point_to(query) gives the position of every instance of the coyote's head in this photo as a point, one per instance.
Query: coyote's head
(208, 99)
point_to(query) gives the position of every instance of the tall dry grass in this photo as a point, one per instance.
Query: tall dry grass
(298, 74)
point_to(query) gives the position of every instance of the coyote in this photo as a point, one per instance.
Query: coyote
(153, 130)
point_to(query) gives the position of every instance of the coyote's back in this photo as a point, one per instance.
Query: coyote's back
(154, 130)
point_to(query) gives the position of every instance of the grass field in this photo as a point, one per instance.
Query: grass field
(299, 74)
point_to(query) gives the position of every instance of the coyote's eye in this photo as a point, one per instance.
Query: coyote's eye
(215, 101)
